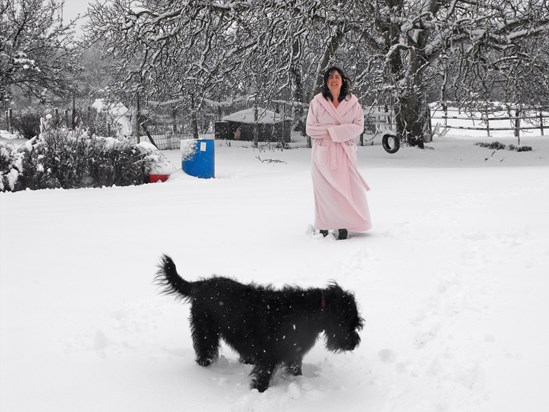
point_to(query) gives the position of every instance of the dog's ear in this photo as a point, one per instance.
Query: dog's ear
(342, 301)
(334, 288)
(331, 296)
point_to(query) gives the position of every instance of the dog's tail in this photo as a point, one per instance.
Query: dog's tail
(170, 281)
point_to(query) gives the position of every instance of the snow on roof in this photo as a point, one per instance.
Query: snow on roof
(116, 109)
(247, 116)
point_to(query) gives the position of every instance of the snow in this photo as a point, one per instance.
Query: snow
(452, 282)
(5, 135)
(247, 116)
(161, 164)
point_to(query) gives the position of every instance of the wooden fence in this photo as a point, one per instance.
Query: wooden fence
(520, 118)
(70, 118)
(380, 118)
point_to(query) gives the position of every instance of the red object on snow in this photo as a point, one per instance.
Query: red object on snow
(158, 178)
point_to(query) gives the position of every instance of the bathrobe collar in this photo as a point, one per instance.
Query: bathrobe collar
(337, 113)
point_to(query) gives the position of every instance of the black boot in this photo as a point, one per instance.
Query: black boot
(342, 234)
(324, 233)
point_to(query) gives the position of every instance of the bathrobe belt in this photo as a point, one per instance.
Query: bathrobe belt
(333, 153)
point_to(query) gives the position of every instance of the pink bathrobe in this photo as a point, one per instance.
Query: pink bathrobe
(339, 189)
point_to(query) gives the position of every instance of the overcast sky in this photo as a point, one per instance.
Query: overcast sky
(74, 7)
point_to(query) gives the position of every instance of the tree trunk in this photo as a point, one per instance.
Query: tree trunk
(194, 121)
(298, 92)
(137, 120)
(330, 51)
(256, 126)
(410, 113)
(410, 119)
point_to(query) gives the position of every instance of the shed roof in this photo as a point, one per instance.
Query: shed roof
(247, 116)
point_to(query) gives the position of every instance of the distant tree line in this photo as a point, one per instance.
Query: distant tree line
(400, 53)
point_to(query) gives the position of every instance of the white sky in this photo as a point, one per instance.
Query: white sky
(74, 7)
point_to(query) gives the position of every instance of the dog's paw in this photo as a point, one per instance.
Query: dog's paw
(261, 387)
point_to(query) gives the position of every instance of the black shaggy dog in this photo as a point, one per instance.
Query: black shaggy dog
(266, 327)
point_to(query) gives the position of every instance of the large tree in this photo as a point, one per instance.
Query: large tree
(412, 47)
(37, 52)
(398, 51)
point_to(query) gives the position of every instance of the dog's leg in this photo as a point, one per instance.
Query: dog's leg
(205, 335)
(294, 367)
(261, 376)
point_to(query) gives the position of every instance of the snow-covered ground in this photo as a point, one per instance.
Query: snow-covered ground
(452, 282)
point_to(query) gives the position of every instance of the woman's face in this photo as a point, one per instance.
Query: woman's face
(335, 82)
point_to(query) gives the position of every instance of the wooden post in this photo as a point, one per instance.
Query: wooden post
(282, 140)
(445, 110)
(56, 118)
(9, 120)
(137, 124)
(487, 122)
(73, 116)
(256, 126)
(541, 120)
(174, 118)
(429, 137)
(517, 124)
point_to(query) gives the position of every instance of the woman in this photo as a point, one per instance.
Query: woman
(335, 119)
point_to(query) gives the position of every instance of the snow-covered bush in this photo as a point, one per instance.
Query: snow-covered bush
(6, 156)
(494, 145)
(159, 164)
(519, 148)
(10, 166)
(500, 146)
(27, 123)
(59, 159)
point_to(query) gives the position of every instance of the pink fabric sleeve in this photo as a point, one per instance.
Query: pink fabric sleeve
(348, 131)
(313, 127)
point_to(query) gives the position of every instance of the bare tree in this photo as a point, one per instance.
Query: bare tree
(398, 51)
(36, 48)
(506, 63)
(415, 37)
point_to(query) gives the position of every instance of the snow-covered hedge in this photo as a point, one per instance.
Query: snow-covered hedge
(500, 146)
(59, 159)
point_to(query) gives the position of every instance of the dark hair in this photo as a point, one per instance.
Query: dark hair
(345, 86)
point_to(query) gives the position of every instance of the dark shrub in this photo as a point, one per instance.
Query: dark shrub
(519, 148)
(27, 123)
(59, 159)
(493, 145)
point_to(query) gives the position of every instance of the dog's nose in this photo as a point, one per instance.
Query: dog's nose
(355, 340)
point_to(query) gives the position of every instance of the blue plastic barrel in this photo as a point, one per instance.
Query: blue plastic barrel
(200, 162)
